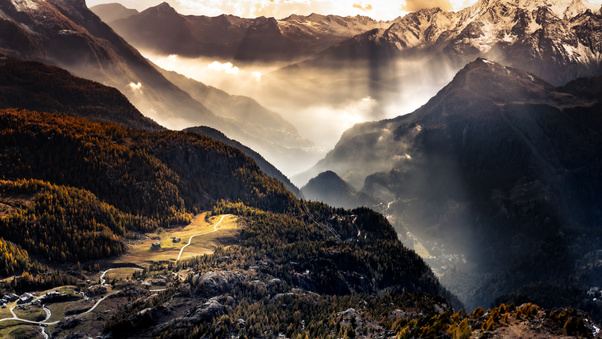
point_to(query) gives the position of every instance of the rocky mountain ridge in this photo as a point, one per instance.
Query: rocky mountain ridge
(556, 40)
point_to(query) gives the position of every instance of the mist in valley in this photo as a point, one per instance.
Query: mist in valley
(320, 103)
(323, 103)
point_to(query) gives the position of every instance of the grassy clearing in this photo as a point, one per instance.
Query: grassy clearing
(226, 234)
(8, 324)
(58, 310)
(5, 312)
(19, 331)
(31, 312)
(67, 290)
(122, 273)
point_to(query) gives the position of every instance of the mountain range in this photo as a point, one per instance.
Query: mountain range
(405, 64)
(555, 40)
(498, 159)
(398, 64)
(39, 87)
(69, 35)
(162, 30)
(495, 181)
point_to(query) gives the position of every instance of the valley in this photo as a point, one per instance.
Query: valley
(76, 305)
(169, 175)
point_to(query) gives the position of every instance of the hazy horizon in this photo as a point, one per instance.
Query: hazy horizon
(376, 9)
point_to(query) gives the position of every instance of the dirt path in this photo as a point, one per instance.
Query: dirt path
(190, 240)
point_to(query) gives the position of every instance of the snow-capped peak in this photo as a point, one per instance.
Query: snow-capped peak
(25, 5)
(560, 8)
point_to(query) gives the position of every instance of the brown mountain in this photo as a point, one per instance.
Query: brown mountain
(39, 87)
(113, 11)
(163, 30)
(68, 34)
(557, 40)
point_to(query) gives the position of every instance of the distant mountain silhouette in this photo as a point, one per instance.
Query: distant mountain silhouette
(68, 34)
(329, 188)
(113, 11)
(163, 30)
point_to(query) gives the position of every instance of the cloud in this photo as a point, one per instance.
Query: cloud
(227, 67)
(416, 5)
(135, 86)
(256, 75)
(363, 8)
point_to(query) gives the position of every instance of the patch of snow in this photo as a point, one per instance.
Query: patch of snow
(67, 32)
(509, 38)
(533, 27)
(581, 54)
(24, 5)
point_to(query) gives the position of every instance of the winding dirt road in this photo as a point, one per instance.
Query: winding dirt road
(190, 240)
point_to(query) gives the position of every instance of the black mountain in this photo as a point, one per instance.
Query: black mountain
(499, 165)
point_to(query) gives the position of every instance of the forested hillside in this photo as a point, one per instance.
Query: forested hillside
(164, 176)
(40, 87)
(75, 191)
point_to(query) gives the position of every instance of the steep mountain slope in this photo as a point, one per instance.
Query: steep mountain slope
(162, 30)
(68, 34)
(265, 166)
(43, 88)
(266, 131)
(163, 175)
(39, 87)
(329, 188)
(85, 187)
(113, 11)
(556, 40)
(497, 160)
